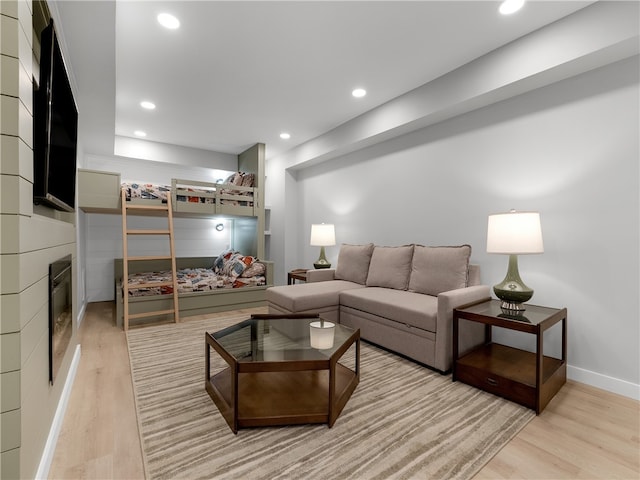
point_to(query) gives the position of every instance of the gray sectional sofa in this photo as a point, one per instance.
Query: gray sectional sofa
(401, 298)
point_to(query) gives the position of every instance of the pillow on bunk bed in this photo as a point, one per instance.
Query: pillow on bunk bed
(248, 179)
(254, 269)
(232, 263)
(240, 179)
(220, 259)
(234, 267)
(236, 178)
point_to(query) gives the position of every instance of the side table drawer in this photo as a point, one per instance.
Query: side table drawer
(498, 385)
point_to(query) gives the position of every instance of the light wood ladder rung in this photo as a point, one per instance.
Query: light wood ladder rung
(151, 314)
(154, 284)
(136, 206)
(150, 257)
(126, 259)
(147, 232)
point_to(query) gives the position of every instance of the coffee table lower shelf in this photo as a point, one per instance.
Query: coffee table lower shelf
(282, 398)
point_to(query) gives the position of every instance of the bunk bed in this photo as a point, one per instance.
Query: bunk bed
(207, 286)
(235, 196)
(99, 192)
(240, 195)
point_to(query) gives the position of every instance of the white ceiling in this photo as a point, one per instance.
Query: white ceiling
(237, 72)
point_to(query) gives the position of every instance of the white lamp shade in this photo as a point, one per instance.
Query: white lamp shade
(322, 235)
(514, 233)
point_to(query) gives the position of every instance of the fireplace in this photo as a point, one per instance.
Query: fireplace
(60, 312)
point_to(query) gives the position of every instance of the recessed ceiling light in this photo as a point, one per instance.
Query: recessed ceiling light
(168, 21)
(510, 6)
(140, 133)
(285, 136)
(148, 105)
(359, 92)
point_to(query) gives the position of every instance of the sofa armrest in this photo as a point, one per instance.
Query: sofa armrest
(474, 335)
(321, 275)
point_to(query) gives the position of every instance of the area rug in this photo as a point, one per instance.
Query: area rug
(402, 421)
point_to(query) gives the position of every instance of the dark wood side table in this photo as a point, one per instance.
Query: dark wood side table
(297, 274)
(528, 378)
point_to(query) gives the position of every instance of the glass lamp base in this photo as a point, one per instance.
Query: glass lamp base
(512, 307)
(512, 290)
(322, 261)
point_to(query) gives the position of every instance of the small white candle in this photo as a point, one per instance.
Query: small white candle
(321, 334)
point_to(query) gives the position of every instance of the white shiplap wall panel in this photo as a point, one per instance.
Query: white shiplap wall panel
(194, 237)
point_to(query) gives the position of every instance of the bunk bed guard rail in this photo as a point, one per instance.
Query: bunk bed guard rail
(219, 198)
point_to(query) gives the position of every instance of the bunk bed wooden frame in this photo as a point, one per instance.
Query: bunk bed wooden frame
(196, 303)
(101, 192)
(226, 199)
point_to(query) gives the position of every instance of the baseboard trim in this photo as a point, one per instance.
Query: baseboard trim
(54, 432)
(611, 384)
(80, 317)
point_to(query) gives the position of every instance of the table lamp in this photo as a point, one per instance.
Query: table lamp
(514, 233)
(322, 235)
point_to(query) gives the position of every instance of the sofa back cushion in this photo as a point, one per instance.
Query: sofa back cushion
(390, 267)
(439, 269)
(353, 262)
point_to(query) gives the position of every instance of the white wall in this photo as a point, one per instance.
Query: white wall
(193, 238)
(558, 135)
(149, 171)
(167, 153)
(569, 150)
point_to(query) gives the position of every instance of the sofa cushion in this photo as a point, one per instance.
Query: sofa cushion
(309, 296)
(353, 263)
(439, 269)
(390, 267)
(400, 306)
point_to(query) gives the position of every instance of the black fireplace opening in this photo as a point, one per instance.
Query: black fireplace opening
(60, 312)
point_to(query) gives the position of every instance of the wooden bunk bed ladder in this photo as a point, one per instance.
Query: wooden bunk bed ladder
(126, 231)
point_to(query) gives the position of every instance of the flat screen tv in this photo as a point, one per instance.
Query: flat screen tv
(55, 129)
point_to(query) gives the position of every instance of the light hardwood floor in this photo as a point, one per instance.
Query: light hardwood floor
(583, 433)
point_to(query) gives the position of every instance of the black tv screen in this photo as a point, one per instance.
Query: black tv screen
(55, 129)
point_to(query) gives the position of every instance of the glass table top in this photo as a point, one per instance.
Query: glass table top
(533, 314)
(283, 339)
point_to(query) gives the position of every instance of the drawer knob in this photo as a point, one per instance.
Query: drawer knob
(492, 382)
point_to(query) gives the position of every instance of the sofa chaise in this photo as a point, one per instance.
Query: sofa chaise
(401, 298)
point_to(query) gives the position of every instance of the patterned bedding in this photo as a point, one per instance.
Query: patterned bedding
(150, 191)
(189, 280)
(231, 270)
(147, 191)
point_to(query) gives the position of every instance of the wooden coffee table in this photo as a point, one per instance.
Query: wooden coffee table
(272, 376)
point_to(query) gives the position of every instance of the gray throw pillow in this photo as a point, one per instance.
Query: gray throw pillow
(390, 267)
(439, 269)
(353, 262)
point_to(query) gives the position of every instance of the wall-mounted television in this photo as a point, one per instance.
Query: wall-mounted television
(55, 129)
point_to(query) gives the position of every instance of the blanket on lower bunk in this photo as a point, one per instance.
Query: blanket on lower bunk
(230, 270)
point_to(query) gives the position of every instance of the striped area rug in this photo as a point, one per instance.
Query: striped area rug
(403, 420)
